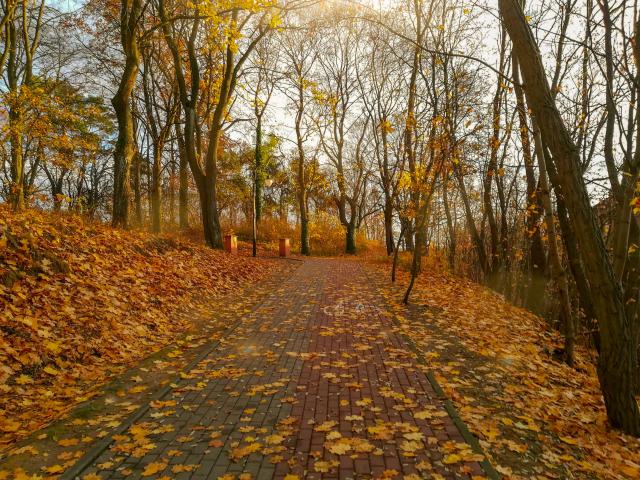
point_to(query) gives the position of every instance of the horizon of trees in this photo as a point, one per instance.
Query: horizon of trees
(498, 136)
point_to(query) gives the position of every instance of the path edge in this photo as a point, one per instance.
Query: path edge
(100, 446)
(462, 427)
(74, 471)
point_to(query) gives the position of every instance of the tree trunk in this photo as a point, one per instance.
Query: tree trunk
(416, 261)
(17, 158)
(534, 283)
(125, 148)
(210, 218)
(558, 275)
(492, 171)
(409, 139)
(156, 207)
(137, 191)
(471, 224)
(172, 189)
(573, 255)
(56, 194)
(15, 119)
(394, 265)
(183, 192)
(210, 215)
(17, 193)
(388, 225)
(259, 174)
(407, 226)
(350, 238)
(305, 249)
(451, 254)
(537, 258)
(303, 206)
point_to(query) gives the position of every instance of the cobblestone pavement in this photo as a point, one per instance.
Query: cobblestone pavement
(313, 383)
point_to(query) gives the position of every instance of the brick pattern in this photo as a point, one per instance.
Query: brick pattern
(316, 368)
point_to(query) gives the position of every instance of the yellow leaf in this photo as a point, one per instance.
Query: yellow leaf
(24, 379)
(53, 469)
(424, 415)
(274, 439)
(633, 472)
(182, 468)
(340, 448)
(325, 426)
(50, 370)
(323, 466)
(9, 425)
(453, 458)
(153, 468)
(569, 440)
(52, 346)
(410, 446)
(68, 442)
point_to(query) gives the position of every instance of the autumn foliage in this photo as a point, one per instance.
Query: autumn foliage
(82, 300)
(326, 235)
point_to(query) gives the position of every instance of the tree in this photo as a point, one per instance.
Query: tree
(21, 41)
(617, 359)
(161, 109)
(125, 148)
(343, 129)
(300, 50)
(380, 81)
(227, 26)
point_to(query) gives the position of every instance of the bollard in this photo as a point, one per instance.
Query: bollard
(285, 248)
(231, 244)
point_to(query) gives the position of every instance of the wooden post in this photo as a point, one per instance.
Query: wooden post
(231, 244)
(285, 248)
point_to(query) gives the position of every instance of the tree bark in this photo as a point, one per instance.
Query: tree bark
(388, 224)
(305, 248)
(416, 260)
(156, 180)
(350, 238)
(451, 254)
(137, 189)
(471, 225)
(172, 189)
(558, 275)
(183, 190)
(259, 174)
(394, 265)
(15, 120)
(536, 257)
(125, 148)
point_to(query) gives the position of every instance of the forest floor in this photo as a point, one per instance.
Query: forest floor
(536, 418)
(128, 355)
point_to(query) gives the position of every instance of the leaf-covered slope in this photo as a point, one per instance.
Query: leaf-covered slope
(80, 299)
(536, 416)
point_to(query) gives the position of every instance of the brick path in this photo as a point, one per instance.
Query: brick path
(313, 383)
